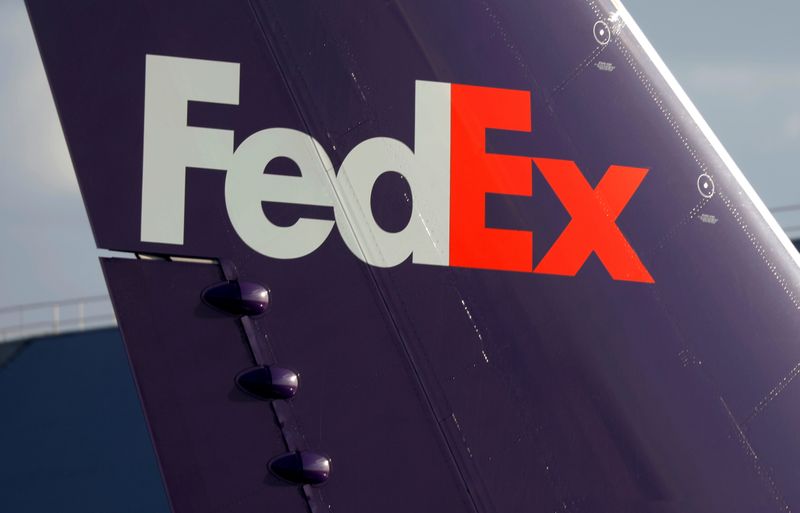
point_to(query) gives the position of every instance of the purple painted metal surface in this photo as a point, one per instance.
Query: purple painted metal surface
(212, 440)
(469, 390)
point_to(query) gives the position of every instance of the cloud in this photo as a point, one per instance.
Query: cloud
(792, 127)
(745, 80)
(31, 141)
(47, 251)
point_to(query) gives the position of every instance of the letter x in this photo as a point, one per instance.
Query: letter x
(593, 226)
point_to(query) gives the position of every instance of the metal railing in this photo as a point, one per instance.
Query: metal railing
(55, 318)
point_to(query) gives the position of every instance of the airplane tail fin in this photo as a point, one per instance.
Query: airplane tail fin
(505, 264)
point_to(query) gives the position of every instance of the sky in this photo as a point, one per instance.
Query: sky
(738, 60)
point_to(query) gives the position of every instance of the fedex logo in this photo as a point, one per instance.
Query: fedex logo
(449, 173)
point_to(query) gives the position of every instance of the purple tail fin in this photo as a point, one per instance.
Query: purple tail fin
(506, 260)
